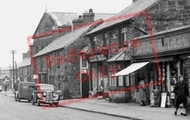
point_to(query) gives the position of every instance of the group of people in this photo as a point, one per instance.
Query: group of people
(181, 95)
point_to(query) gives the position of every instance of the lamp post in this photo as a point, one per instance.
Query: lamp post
(13, 52)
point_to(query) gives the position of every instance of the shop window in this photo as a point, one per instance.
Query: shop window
(113, 80)
(120, 81)
(127, 81)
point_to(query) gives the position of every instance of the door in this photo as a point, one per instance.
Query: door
(65, 90)
(24, 91)
(30, 91)
(85, 86)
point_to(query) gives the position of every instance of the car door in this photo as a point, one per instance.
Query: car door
(30, 91)
(24, 91)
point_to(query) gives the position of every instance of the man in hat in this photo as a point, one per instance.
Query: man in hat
(181, 94)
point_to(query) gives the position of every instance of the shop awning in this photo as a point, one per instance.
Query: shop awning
(133, 67)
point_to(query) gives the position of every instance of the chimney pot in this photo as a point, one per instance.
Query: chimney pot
(90, 10)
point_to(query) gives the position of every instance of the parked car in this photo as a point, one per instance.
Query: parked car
(45, 94)
(24, 91)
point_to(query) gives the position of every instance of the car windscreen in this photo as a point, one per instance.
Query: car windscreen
(45, 87)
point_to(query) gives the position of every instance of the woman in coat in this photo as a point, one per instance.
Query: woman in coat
(181, 94)
(142, 93)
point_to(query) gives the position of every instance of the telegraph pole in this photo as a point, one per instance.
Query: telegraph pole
(16, 70)
(13, 52)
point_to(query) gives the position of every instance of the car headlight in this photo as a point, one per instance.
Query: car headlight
(44, 94)
(39, 95)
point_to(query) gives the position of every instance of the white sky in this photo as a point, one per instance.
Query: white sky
(19, 19)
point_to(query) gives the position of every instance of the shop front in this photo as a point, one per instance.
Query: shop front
(97, 74)
(118, 84)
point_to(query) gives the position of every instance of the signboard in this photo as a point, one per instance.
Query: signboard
(163, 99)
(35, 76)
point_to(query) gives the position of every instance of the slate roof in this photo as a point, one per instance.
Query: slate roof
(25, 62)
(127, 13)
(64, 40)
(62, 18)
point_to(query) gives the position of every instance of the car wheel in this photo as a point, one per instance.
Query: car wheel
(18, 98)
(15, 98)
(38, 102)
(56, 104)
(33, 101)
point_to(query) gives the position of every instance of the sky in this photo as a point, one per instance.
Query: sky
(19, 19)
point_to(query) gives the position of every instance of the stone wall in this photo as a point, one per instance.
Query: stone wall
(167, 14)
(168, 41)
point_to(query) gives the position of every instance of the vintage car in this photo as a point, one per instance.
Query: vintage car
(45, 94)
(24, 91)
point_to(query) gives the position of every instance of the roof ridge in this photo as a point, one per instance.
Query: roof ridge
(62, 12)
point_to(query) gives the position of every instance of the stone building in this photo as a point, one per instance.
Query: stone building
(162, 23)
(58, 62)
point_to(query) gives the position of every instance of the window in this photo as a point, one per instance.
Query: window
(120, 81)
(123, 39)
(84, 61)
(113, 80)
(127, 81)
(25, 86)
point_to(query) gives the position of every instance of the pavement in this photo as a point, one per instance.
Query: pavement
(125, 110)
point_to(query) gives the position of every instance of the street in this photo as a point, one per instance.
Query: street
(11, 110)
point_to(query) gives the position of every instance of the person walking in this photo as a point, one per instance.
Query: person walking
(181, 94)
(5, 88)
(142, 93)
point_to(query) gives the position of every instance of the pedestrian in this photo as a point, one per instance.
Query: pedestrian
(156, 96)
(5, 89)
(142, 93)
(181, 94)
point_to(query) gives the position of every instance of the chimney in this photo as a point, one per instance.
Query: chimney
(77, 22)
(24, 55)
(88, 17)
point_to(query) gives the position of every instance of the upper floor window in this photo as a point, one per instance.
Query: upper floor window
(123, 39)
(84, 61)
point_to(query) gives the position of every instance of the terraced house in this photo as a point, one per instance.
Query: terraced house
(148, 40)
(57, 62)
(24, 68)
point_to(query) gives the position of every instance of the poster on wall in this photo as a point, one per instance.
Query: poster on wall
(163, 99)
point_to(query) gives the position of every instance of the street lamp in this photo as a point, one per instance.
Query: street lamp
(13, 52)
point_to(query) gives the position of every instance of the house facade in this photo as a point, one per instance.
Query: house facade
(24, 68)
(162, 46)
(51, 26)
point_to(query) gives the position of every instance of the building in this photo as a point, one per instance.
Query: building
(24, 68)
(58, 62)
(144, 33)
